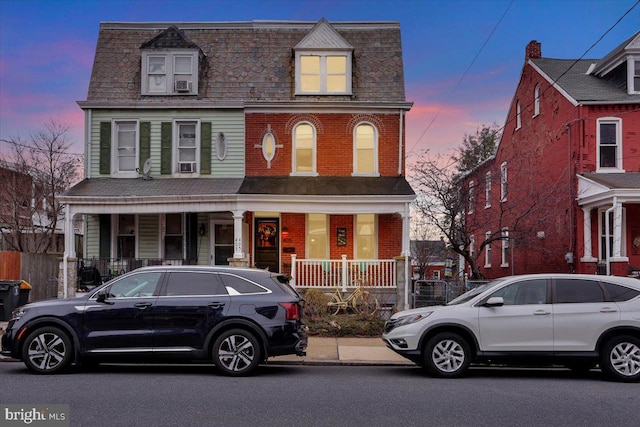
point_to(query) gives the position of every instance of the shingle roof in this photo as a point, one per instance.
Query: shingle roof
(581, 86)
(629, 180)
(286, 185)
(138, 187)
(327, 186)
(246, 62)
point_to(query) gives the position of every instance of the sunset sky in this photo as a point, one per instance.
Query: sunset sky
(462, 59)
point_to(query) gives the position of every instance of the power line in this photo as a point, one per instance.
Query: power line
(461, 78)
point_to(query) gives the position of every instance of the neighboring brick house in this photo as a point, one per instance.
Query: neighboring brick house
(273, 144)
(568, 160)
(432, 259)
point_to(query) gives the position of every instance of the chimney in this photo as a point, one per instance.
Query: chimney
(533, 51)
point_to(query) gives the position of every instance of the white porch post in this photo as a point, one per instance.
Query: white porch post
(293, 271)
(617, 230)
(237, 234)
(586, 230)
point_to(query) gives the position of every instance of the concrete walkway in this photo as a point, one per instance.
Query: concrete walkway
(328, 351)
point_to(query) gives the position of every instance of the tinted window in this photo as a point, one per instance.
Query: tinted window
(619, 293)
(526, 292)
(578, 291)
(238, 285)
(194, 283)
(136, 285)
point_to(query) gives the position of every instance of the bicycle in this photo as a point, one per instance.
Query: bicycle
(359, 301)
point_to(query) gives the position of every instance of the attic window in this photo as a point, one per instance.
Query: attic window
(170, 73)
(636, 76)
(323, 73)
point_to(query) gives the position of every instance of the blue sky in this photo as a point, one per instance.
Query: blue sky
(462, 59)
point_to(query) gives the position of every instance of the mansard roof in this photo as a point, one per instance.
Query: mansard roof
(247, 62)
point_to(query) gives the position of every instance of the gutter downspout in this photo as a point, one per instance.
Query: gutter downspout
(607, 233)
(400, 145)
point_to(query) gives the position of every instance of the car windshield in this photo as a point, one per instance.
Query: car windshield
(474, 292)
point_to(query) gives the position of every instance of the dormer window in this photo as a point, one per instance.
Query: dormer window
(634, 84)
(169, 73)
(323, 62)
(323, 73)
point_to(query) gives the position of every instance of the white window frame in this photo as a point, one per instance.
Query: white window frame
(633, 75)
(115, 227)
(518, 115)
(487, 190)
(505, 248)
(176, 148)
(309, 236)
(472, 245)
(323, 74)
(294, 165)
(164, 235)
(471, 200)
(618, 123)
(487, 250)
(170, 72)
(356, 253)
(536, 100)
(602, 231)
(374, 172)
(115, 124)
(503, 182)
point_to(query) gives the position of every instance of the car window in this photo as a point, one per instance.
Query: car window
(237, 285)
(194, 283)
(135, 285)
(525, 292)
(618, 293)
(569, 291)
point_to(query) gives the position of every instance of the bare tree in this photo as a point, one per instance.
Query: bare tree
(448, 197)
(37, 171)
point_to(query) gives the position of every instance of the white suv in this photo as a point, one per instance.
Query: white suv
(574, 320)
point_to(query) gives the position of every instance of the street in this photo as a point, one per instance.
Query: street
(294, 395)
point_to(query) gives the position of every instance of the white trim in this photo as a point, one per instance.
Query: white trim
(115, 163)
(375, 150)
(619, 158)
(487, 250)
(175, 139)
(314, 171)
(170, 72)
(323, 73)
(555, 85)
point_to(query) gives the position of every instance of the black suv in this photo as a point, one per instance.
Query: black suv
(235, 317)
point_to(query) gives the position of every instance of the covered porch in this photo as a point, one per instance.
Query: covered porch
(610, 242)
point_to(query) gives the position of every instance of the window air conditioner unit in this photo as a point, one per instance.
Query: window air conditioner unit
(183, 86)
(187, 167)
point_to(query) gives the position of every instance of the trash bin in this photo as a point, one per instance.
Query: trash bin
(23, 295)
(9, 297)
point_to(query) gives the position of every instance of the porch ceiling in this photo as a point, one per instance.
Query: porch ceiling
(597, 189)
(327, 186)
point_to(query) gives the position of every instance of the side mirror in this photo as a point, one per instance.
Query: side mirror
(494, 302)
(102, 297)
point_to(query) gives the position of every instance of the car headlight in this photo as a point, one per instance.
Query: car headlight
(18, 313)
(407, 320)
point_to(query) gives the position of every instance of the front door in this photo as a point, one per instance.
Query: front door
(267, 253)
(221, 242)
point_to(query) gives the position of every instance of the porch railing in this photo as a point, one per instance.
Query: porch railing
(342, 273)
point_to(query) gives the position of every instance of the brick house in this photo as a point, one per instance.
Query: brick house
(562, 193)
(278, 145)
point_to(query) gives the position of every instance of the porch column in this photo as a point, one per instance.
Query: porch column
(617, 231)
(237, 234)
(586, 230)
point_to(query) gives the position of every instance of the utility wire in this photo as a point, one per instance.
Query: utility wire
(461, 78)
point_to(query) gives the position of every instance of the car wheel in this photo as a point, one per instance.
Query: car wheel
(236, 352)
(447, 355)
(620, 359)
(47, 350)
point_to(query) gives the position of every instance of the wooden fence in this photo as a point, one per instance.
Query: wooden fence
(39, 270)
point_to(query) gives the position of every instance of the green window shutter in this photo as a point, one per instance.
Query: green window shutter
(145, 143)
(105, 148)
(205, 148)
(165, 148)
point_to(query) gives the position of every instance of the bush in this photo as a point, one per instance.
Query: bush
(346, 325)
(315, 303)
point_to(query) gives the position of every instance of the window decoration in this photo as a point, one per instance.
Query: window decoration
(221, 146)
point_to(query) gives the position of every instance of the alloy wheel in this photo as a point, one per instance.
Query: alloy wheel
(448, 356)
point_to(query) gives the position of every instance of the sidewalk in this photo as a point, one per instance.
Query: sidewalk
(329, 351)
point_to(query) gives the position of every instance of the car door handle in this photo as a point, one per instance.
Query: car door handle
(607, 310)
(142, 305)
(216, 305)
(541, 313)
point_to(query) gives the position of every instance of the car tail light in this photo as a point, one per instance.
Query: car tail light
(292, 310)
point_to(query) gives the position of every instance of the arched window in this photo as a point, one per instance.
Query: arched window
(536, 101)
(518, 119)
(365, 150)
(304, 149)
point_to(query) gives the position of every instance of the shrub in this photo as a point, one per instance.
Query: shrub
(315, 303)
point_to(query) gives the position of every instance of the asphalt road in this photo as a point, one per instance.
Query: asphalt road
(125, 395)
